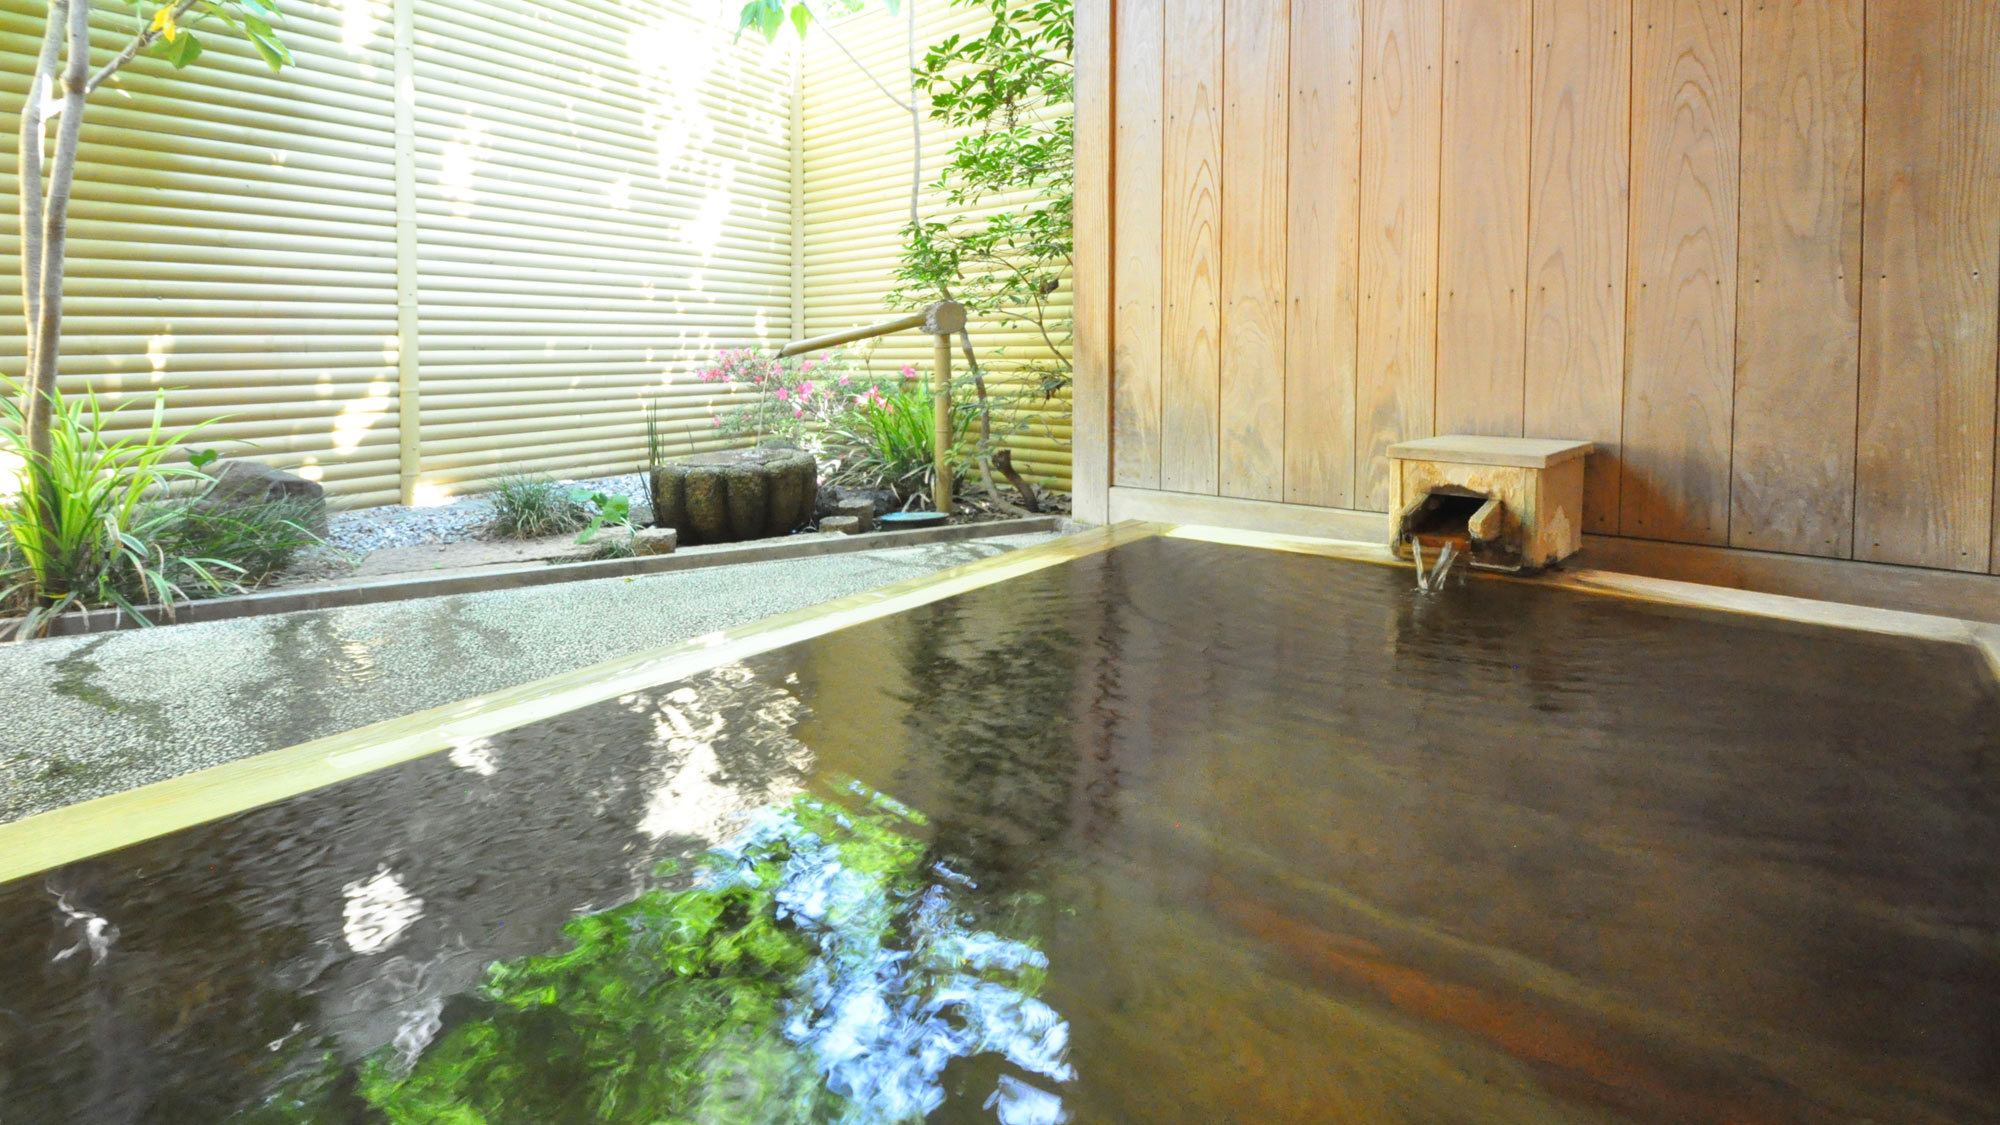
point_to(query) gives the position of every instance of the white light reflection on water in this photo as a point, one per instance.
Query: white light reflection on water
(474, 755)
(897, 989)
(377, 912)
(98, 932)
(1018, 1103)
(695, 795)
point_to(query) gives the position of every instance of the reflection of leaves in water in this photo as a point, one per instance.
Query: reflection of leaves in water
(813, 971)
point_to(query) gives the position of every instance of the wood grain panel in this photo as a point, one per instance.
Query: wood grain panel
(1324, 205)
(1798, 318)
(1191, 249)
(1137, 152)
(1680, 341)
(1395, 372)
(1924, 472)
(1091, 401)
(1483, 220)
(1256, 73)
(1576, 236)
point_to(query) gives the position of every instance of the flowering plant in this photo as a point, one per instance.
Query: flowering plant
(796, 399)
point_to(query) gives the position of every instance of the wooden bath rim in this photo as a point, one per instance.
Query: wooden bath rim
(90, 828)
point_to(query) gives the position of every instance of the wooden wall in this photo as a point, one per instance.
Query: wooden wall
(1749, 247)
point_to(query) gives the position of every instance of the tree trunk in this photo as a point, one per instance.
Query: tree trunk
(44, 293)
(47, 332)
(30, 179)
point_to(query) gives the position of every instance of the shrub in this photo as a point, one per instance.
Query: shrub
(258, 539)
(608, 512)
(793, 399)
(103, 538)
(886, 441)
(531, 507)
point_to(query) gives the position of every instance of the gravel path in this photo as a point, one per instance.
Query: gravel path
(372, 529)
(93, 715)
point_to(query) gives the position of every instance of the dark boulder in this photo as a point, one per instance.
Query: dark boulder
(240, 484)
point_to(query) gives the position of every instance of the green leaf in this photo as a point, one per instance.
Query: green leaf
(186, 48)
(801, 18)
(221, 13)
(274, 53)
(771, 19)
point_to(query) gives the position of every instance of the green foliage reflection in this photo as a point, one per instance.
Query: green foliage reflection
(814, 971)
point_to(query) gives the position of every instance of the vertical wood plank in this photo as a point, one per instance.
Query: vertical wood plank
(1483, 229)
(1135, 360)
(1323, 267)
(1798, 318)
(1395, 385)
(1256, 76)
(1680, 329)
(1191, 250)
(1924, 489)
(1577, 236)
(1090, 427)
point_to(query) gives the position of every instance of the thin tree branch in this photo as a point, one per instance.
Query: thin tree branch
(858, 64)
(139, 43)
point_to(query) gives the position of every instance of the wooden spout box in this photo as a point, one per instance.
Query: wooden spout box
(1538, 480)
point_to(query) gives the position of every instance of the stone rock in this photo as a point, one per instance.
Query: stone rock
(882, 500)
(239, 484)
(736, 494)
(655, 541)
(610, 543)
(845, 525)
(860, 509)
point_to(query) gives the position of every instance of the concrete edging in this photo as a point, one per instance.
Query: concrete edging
(519, 577)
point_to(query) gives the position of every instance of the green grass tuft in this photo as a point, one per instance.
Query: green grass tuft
(532, 507)
(260, 539)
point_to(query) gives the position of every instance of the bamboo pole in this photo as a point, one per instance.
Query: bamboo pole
(836, 339)
(941, 401)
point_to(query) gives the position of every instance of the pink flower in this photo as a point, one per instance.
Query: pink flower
(806, 389)
(808, 365)
(718, 421)
(783, 394)
(846, 379)
(799, 413)
(909, 372)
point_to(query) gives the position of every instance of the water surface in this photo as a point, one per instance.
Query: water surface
(1174, 833)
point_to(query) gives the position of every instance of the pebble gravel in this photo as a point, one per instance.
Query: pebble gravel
(371, 529)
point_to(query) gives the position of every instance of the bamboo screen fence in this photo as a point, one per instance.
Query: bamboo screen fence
(580, 200)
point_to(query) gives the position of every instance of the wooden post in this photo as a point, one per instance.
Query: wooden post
(409, 365)
(941, 399)
(943, 321)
